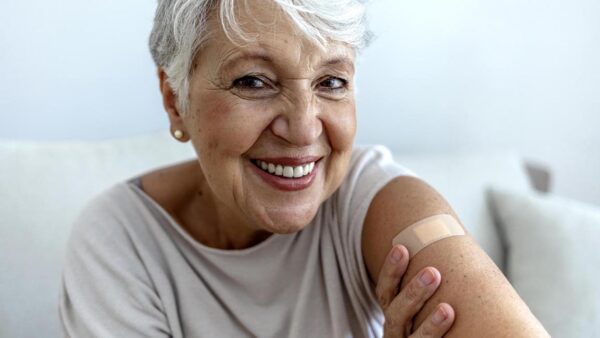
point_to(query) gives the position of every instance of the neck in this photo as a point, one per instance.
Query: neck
(216, 225)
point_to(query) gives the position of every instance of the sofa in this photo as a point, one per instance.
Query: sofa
(498, 196)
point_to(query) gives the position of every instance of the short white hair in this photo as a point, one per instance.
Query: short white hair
(180, 30)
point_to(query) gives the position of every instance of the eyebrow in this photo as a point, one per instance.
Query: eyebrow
(245, 56)
(341, 60)
(335, 61)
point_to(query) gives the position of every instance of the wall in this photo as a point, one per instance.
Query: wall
(77, 70)
(442, 75)
(464, 74)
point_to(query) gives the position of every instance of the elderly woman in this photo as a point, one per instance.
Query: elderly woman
(280, 228)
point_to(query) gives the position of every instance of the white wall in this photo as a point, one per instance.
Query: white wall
(443, 75)
(77, 69)
(466, 74)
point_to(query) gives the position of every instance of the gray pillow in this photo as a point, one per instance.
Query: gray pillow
(553, 258)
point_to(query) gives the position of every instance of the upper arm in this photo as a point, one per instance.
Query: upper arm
(483, 300)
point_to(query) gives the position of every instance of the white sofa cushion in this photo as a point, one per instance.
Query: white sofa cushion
(553, 258)
(43, 187)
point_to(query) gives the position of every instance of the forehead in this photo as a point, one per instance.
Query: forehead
(273, 38)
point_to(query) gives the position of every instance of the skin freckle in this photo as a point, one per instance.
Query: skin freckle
(213, 144)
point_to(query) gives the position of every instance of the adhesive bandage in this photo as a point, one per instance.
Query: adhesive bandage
(427, 231)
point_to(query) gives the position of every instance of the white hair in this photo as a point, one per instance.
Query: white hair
(180, 29)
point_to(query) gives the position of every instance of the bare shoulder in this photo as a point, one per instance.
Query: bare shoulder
(484, 301)
(171, 186)
(402, 202)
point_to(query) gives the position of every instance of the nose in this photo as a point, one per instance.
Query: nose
(299, 124)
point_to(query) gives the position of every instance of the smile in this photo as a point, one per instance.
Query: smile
(285, 170)
(287, 174)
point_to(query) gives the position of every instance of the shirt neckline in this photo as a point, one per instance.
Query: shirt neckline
(132, 186)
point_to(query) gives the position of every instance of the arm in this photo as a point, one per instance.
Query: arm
(482, 298)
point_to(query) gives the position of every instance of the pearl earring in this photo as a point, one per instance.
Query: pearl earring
(178, 134)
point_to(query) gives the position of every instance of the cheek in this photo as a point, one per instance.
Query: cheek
(227, 125)
(340, 124)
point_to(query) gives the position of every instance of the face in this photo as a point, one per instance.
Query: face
(276, 107)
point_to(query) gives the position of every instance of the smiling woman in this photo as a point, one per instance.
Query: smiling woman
(271, 101)
(280, 226)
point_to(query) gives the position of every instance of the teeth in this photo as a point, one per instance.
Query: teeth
(286, 171)
(298, 172)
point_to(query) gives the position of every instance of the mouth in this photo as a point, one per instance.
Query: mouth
(287, 174)
(286, 169)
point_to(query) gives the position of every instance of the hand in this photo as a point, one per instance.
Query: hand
(400, 308)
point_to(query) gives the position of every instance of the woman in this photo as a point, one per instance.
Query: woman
(279, 228)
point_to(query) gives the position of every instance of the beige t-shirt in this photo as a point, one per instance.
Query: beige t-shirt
(131, 271)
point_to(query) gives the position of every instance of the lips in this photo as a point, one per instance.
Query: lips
(285, 173)
(289, 161)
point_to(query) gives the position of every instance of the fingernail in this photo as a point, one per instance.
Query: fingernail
(426, 277)
(396, 255)
(439, 316)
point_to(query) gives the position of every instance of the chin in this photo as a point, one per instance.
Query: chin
(287, 220)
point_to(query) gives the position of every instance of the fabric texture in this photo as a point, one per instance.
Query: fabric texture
(553, 258)
(132, 271)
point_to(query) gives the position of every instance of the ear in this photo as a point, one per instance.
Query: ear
(171, 107)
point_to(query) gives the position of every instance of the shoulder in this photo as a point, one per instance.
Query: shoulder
(370, 168)
(171, 186)
(401, 202)
(105, 281)
(121, 216)
(103, 221)
(110, 216)
(375, 160)
(471, 282)
(108, 236)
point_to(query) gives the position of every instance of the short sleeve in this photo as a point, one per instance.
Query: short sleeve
(105, 288)
(371, 168)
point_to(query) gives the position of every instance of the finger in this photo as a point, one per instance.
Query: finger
(438, 323)
(411, 299)
(390, 275)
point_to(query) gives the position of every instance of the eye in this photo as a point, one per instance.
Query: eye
(250, 82)
(333, 83)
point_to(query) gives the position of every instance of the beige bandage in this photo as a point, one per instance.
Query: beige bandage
(427, 231)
